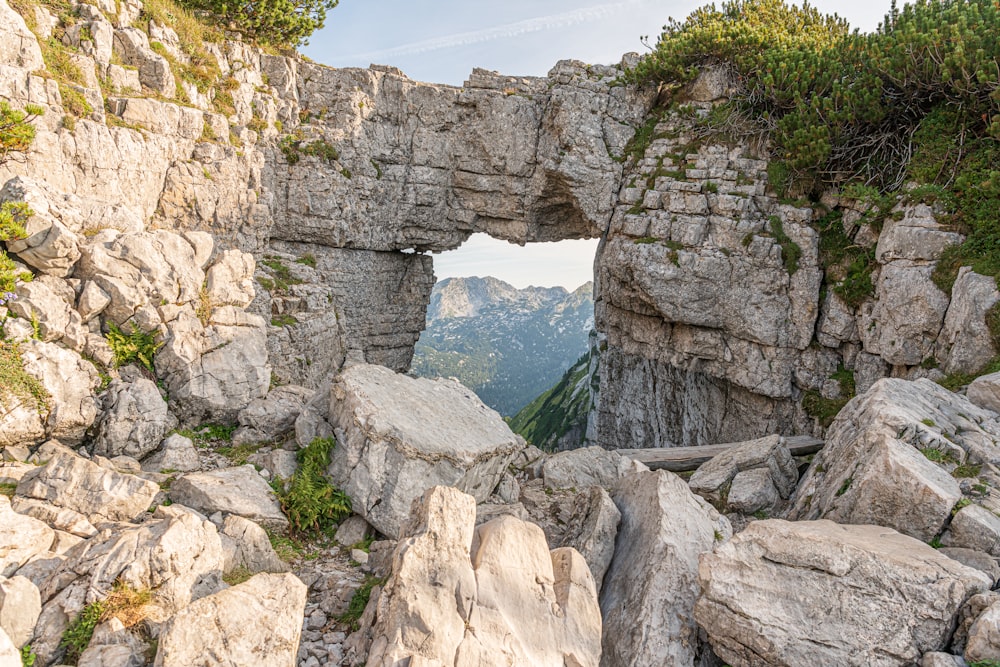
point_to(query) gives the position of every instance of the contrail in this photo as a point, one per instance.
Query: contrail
(507, 30)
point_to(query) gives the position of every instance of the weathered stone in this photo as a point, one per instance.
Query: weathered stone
(178, 555)
(71, 383)
(9, 655)
(275, 414)
(715, 479)
(240, 490)
(985, 392)
(821, 593)
(977, 560)
(399, 436)
(752, 491)
(135, 419)
(18, 46)
(154, 70)
(652, 584)
(914, 236)
(589, 466)
(251, 548)
(49, 245)
(258, 622)
(21, 537)
(871, 469)
(351, 531)
(75, 483)
(592, 529)
(490, 597)
(176, 453)
(974, 527)
(939, 659)
(45, 307)
(59, 518)
(964, 344)
(983, 643)
(230, 280)
(20, 605)
(114, 645)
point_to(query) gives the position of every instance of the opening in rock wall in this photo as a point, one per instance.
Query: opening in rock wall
(507, 320)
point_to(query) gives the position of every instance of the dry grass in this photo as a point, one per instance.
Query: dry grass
(128, 605)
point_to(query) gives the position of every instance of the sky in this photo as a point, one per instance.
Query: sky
(442, 41)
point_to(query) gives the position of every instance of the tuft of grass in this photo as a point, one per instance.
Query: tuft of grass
(17, 382)
(206, 434)
(74, 101)
(239, 455)
(845, 486)
(134, 346)
(307, 259)
(359, 601)
(283, 321)
(960, 505)
(125, 603)
(7, 489)
(237, 576)
(928, 422)
(937, 455)
(790, 250)
(310, 502)
(967, 470)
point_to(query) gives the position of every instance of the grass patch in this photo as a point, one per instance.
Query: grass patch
(7, 489)
(845, 486)
(307, 259)
(237, 576)
(790, 250)
(359, 601)
(294, 146)
(283, 321)
(74, 102)
(937, 455)
(17, 382)
(239, 455)
(309, 501)
(826, 409)
(125, 603)
(282, 276)
(967, 470)
(207, 434)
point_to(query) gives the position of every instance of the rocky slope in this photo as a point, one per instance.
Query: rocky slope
(506, 344)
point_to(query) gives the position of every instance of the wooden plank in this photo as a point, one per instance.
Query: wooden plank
(682, 459)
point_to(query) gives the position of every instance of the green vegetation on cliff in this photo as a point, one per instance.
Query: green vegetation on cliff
(916, 102)
(559, 411)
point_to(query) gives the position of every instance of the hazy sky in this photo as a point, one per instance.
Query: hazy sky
(441, 41)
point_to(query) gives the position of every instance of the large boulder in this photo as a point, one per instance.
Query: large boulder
(651, 586)
(21, 538)
(399, 436)
(49, 246)
(75, 483)
(819, 593)
(247, 547)
(240, 491)
(493, 595)
(71, 383)
(258, 622)
(135, 419)
(587, 466)
(9, 655)
(176, 453)
(876, 466)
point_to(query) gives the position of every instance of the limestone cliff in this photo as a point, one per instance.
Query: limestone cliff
(712, 299)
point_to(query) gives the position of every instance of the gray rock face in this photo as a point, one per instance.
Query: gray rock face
(589, 466)
(872, 469)
(49, 246)
(399, 436)
(983, 642)
(258, 622)
(240, 491)
(964, 343)
(984, 392)
(275, 414)
(848, 589)
(974, 527)
(749, 477)
(135, 419)
(495, 595)
(592, 530)
(19, 46)
(71, 383)
(77, 484)
(651, 586)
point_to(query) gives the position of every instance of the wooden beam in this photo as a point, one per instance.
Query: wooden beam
(682, 459)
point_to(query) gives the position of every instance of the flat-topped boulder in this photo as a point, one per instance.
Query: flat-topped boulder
(820, 593)
(399, 436)
(240, 491)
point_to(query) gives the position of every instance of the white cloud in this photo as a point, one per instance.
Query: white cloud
(505, 31)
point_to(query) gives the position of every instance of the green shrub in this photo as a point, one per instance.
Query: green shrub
(277, 22)
(16, 130)
(790, 250)
(28, 656)
(310, 502)
(135, 346)
(79, 633)
(123, 602)
(293, 146)
(74, 101)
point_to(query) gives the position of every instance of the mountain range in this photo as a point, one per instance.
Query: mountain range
(508, 345)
